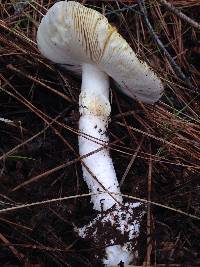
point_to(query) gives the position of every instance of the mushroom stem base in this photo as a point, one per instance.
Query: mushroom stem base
(116, 230)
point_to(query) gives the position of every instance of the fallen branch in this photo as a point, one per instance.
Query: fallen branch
(172, 62)
(181, 15)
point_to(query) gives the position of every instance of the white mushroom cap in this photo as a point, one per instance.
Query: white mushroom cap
(73, 34)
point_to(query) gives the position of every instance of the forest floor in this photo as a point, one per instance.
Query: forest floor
(39, 139)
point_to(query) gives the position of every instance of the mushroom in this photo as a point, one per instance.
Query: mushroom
(82, 39)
